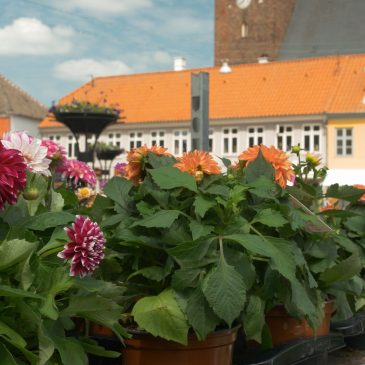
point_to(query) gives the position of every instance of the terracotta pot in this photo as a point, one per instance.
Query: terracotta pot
(99, 330)
(285, 328)
(216, 349)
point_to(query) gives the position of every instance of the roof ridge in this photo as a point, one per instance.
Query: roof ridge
(17, 87)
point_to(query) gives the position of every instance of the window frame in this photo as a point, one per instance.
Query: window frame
(180, 138)
(135, 141)
(312, 133)
(158, 138)
(256, 135)
(230, 136)
(344, 139)
(285, 136)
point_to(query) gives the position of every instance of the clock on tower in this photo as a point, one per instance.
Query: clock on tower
(247, 29)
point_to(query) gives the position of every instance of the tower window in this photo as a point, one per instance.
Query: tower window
(244, 31)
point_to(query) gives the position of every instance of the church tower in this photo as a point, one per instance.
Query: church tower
(248, 29)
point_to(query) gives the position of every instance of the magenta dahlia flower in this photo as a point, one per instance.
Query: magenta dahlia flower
(13, 176)
(34, 155)
(86, 248)
(78, 171)
(55, 151)
(119, 169)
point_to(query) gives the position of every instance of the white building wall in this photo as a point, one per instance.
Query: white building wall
(19, 123)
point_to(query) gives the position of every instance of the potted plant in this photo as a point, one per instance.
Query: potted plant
(199, 251)
(105, 151)
(42, 301)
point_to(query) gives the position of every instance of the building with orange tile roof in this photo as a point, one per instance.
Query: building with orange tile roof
(280, 103)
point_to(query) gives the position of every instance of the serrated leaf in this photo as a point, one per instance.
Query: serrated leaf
(270, 218)
(343, 271)
(47, 220)
(202, 205)
(15, 251)
(345, 192)
(161, 316)
(168, 177)
(190, 250)
(57, 202)
(200, 316)
(160, 219)
(156, 273)
(282, 258)
(254, 319)
(117, 189)
(225, 291)
(184, 278)
(263, 187)
(257, 168)
(199, 230)
(219, 190)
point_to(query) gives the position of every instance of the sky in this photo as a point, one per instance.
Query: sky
(50, 47)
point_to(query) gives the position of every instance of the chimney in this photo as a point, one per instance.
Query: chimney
(179, 63)
(225, 69)
(264, 58)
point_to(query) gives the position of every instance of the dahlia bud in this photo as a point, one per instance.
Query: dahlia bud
(296, 149)
(31, 194)
(199, 175)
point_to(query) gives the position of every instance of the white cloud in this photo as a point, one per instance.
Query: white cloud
(83, 69)
(29, 36)
(162, 58)
(111, 7)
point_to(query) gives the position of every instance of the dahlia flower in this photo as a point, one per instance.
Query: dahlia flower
(119, 169)
(277, 158)
(78, 171)
(312, 159)
(12, 175)
(135, 158)
(198, 163)
(86, 247)
(55, 151)
(33, 153)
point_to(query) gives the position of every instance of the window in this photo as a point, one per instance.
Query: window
(114, 139)
(284, 138)
(54, 138)
(135, 139)
(244, 31)
(255, 136)
(312, 137)
(158, 138)
(181, 142)
(211, 132)
(344, 141)
(230, 141)
(71, 146)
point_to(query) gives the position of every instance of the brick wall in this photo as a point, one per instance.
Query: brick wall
(266, 22)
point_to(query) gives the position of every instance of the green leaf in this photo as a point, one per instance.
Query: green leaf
(161, 316)
(10, 335)
(98, 309)
(117, 189)
(202, 205)
(200, 230)
(47, 220)
(46, 345)
(156, 273)
(270, 218)
(258, 168)
(254, 319)
(184, 278)
(92, 347)
(6, 357)
(356, 224)
(168, 177)
(157, 161)
(15, 251)
(279, 251)
(190, 251)
(263, 187)
(219, 190)
(343, 271)
(7, 291)
(57, 202)
(70, 350)
(200, 315)
(161, 219)
(345, 192)
(225, 291)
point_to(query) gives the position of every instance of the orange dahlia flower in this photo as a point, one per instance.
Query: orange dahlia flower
(277, 158)
(135, 158)
(196, 163)
(359, 186)
(329, 204)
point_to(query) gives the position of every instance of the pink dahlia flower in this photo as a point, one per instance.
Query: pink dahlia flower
(55, 151)
(119, 169)
(34, 155)
(12, 175)
(78, 171)
(86, 248)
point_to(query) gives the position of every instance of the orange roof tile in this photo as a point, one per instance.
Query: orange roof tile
(331, 84)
